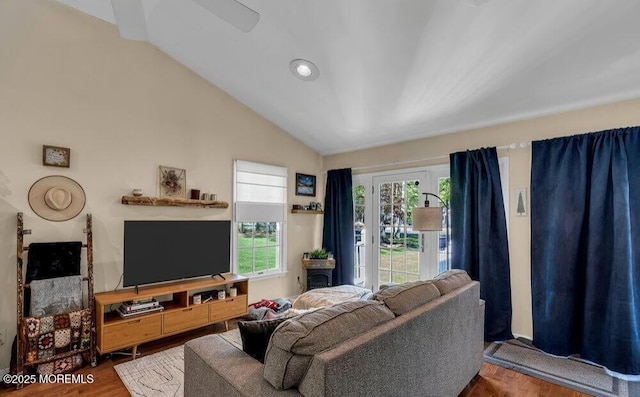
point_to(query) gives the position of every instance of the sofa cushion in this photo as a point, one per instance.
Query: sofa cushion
(295, 342)
(255, 336)
(450, 280)
(403, 298)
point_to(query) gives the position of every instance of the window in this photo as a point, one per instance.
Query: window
(260, 213)
(359, 212)
(399, 256)
(386, 247)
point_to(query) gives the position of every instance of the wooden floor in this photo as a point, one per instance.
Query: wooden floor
(493, 381)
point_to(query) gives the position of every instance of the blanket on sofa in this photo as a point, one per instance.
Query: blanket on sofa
(323, 297)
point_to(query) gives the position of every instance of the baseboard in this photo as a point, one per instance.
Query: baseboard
(523, 336)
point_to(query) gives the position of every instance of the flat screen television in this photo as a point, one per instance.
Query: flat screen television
(157, 251)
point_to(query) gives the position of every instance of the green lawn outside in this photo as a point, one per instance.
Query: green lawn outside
(398, 264)
(265, 256)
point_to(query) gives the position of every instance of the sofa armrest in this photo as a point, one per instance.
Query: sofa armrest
(438, 347)
(214, 367)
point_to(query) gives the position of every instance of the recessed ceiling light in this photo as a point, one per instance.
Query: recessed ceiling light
(304, 70)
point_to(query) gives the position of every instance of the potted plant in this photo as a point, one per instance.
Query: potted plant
(318, 253)
(319, 258)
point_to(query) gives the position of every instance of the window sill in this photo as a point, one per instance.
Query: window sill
(265, 276)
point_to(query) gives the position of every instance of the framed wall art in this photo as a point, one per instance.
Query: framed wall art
(56, 156)
(305, 185)
(172, 182)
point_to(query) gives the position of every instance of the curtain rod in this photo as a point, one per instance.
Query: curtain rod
(365, 167)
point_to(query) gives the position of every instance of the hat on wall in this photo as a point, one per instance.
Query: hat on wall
(56, 198)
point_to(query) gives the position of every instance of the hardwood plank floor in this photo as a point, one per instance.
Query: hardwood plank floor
(493, 381)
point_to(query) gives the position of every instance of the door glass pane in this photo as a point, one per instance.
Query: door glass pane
(385, 251)
(360, 233)
(398, 243)
(444, 190)
(385, 276)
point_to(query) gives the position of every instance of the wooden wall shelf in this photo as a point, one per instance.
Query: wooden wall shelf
(306, 212)
(173, 202)
(318, 263)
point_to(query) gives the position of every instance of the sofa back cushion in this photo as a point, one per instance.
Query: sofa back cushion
(403, 298)
(295, 342)
(450, 280)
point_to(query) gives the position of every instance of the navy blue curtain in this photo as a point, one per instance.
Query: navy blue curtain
(585, 247)
(338, 232)
(479, 234)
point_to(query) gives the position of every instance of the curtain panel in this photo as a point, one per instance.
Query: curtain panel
(585, 244)
(338, 231)
(479, 234)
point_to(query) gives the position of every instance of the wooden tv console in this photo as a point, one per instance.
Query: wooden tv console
(180, 314)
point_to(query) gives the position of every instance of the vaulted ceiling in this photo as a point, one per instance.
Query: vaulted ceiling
(395, 70)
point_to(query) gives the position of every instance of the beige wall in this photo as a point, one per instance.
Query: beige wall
(123, 107)
(621, 114)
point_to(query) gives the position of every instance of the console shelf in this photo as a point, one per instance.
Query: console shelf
(180, 314)
(172, 202)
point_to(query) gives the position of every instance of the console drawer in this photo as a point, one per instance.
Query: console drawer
(228, 308)
(188, 318)
(130, 332)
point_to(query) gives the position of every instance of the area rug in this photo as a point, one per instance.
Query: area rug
(568, 372)
(233, 337)
(161, 374)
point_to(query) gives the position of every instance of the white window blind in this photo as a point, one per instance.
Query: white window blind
(260, 192)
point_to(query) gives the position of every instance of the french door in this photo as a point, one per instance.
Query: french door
(387, 249)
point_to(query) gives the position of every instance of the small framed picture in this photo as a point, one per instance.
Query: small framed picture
(521, 202)
(172, 182)
(305, 185)
(56, 156)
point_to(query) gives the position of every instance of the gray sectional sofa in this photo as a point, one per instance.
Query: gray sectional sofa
(416, 339)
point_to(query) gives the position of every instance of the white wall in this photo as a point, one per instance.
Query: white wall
(124, 108)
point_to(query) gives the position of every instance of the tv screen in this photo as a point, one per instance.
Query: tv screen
(156, 251)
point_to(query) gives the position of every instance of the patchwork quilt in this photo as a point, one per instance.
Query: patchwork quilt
(55, 334)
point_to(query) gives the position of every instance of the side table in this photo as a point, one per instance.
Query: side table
(319, 272)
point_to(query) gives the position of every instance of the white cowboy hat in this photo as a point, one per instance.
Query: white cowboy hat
(56, 198)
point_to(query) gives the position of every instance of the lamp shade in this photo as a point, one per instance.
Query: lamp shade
(427, 218)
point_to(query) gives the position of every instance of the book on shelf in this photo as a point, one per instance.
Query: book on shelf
(145, 300)
(124, 312)
(136, 305)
